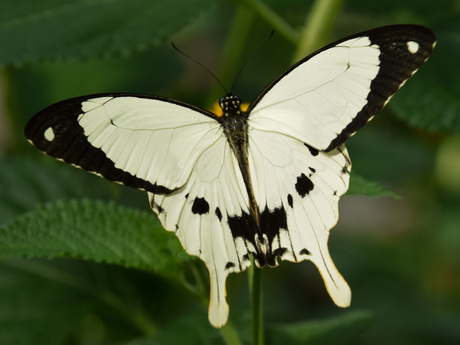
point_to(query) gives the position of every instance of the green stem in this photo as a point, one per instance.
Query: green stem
(272, 18)
(230, 334)
(318, 26)
(255, 289)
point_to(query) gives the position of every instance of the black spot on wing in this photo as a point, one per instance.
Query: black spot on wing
(218, 214)
(290, 200)
(271, 223)
(229, 265)
(245, 227)
(304, 252)
(200, 206)
(262, 238)
(303, 185)
(279, 252)
(152, 202)
(314, 152)
(156, 207)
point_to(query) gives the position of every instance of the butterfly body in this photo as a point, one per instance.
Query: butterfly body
(264, 182)
(235, 125)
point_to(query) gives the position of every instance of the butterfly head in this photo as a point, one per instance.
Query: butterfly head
(230, 104)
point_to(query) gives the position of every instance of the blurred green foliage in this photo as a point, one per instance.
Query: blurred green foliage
(400, 256)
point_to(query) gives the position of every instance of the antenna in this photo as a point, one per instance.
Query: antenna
(249, 58)
(241, 69)
(199, 63)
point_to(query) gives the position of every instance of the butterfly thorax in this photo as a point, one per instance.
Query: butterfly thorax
(235, 126)
(234, 120)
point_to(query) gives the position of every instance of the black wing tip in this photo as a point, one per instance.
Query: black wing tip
(398, 29)
(391, 40)
(67, 142)
(411, 30)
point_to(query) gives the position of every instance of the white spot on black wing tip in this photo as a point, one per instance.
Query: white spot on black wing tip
(413, 47)
(49, 134)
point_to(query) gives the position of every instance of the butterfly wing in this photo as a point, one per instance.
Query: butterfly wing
(144, 142)
(172, 150)
(205, 215)
(297, 129)
(298, 190)
(325, 98)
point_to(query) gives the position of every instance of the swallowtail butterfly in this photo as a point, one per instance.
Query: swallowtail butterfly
(265, 181)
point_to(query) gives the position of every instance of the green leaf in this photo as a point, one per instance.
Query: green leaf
(192, 329)
(31, 30)
(336, 331)
(53, 301)
(34, 310)
(95, 231)
(25, 183)
(363, 186)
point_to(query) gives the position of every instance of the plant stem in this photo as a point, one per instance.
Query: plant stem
(318, 26)
(278, 23)
(230, 334)
(255, 289)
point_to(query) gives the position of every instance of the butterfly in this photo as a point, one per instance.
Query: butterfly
(263, 182)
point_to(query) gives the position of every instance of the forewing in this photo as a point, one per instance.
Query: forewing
(145, 142)
(326, 97)
(209, 216)
(298, 189)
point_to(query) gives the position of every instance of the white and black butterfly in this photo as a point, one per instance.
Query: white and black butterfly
(266, 181)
